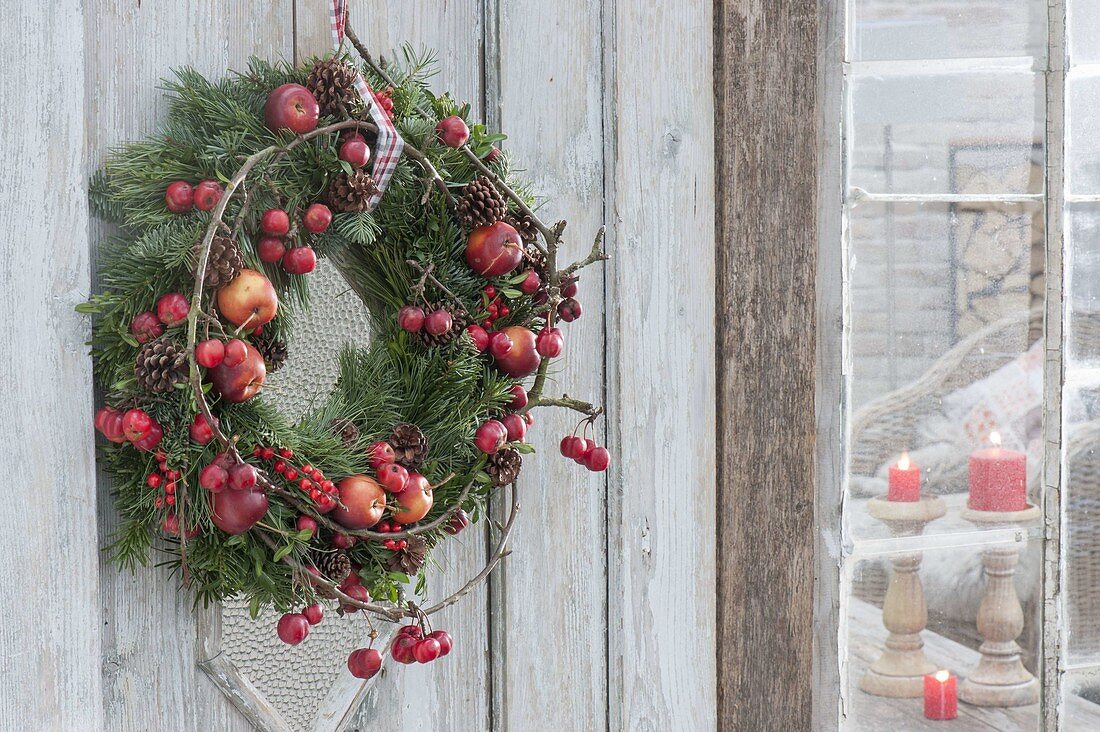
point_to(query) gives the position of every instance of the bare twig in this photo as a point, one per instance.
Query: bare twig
(427, 272)
(566, 402)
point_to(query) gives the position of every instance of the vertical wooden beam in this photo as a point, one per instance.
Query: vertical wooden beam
(766, 166)
(49, 677)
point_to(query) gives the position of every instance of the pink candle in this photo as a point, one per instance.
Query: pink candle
(904, 481)
(998, 478)
(941, 696)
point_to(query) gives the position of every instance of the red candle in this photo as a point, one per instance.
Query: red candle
(941, 696)
(998, 478)
(904, 481)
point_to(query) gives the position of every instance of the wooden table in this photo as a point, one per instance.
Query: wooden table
(874, 713)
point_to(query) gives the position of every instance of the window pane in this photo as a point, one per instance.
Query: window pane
(1083, 285)
(1083, 18)
(973, 133)
(1081, 506)
(904, 29)
(1082, 142)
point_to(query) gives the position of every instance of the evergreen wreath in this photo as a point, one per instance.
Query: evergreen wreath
(461, 281)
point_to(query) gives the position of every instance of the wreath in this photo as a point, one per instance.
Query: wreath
(221, 218)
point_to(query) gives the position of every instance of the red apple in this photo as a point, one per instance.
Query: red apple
(236, 351)
(355, 151)
(380, 453)
(201, 431)
(300, 261)
(531, 283)
(490, 437)
(494, 250)
(293, 107)
(172, 308)
(214, 478)
(549, 342)
(453, 131)
(235, 512)
(479, 336)
(426, 650)
(516, 427)
(250, 298)
(459, 521)
(242, 477)
(523, 359)
(241, 382)
(275, 222)
(136, 424)
(401, 649)
(500, 345)
(317, 218)
(207, 195)
(364, 663)
(179, 196)
(597, 459)
(416, 500)
(356, 592)
(364, 501)
(270, 249)
(151, 440)
(519, 397)
(446, 643)
(411, 318)
(438, 322)
(393, 477)
(146, 326)
(306, 523)
(293, 628)
(210, 353)
(314, 613)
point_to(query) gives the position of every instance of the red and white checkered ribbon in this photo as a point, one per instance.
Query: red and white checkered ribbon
(387, 149)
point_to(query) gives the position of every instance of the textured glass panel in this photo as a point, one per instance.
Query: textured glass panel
(1081, 695)
(1083, 17)
(1081, 506)
(945, 320)
(886, 597)
(904, 29)
(973, 133)
(1082, 142)
(1083, 285)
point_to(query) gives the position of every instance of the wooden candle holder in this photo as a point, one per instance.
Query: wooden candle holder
(899, 671)
(1000, 679)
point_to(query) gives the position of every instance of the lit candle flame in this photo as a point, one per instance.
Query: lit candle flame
(942, 675)
(995, 438)
(903, 462)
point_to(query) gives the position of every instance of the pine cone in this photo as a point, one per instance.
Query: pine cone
(224, 263)
(410, 559)
(524, 224)
(459, 320)
(334, 566)
(161, 364)
(273, 350)
(350, 193)
(332, 82)
(346, 430)
(503, 466)
(481, 204)
(410, 446)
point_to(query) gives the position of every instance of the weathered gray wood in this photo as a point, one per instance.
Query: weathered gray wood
(453, 693)
(151, 680)
(661, 363)
(550, 609)
(49, 676)
(765, 89)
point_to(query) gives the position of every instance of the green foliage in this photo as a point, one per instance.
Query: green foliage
(447, 391)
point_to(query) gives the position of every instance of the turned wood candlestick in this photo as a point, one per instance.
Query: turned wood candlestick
(899, 671)
(1000, 679)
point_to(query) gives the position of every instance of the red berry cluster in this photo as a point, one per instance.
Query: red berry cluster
(495, 308)
(181, 196)
(134, 425)
(584, 451)
(275, 224)
(385, 100)
(308, 479)
(163, 481)
(569, 309)
(387, 527)
(413, 319)
(494, 434)
(171, 309)
(411, 644)
(225, 473)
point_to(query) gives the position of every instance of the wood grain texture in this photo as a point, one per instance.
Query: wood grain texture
(766, 150)
(550, 606)
(661, 365)
(49, 677)
(150, 678)
(454, 693)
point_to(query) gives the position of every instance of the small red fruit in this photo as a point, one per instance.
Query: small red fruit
(438, 322)
(597, 459)
(293, 628)
(307, 523)
(401, 650)
(172, 308)
(453, 131)
(478, 336)
(317, 218)
(569, 310)
(427, 650)
(112, 427)
(271, 249)
(549, 342)
(364, 663)
(214, 478)
(236, 351)
(200, 430)
(355, 592)
(300, 261)
(136, 424)
(446, 642)
(380, 453)
(179, 197)
(494, 250)
(355, 151)
(500, 345)
(571, 446)
(207, 195)
(582, 453)
(314, 613)
(146, 326)
(210, 353)
(393, 477)
(519, 397)
(515, 426)
(151, 440)
(459, 521)
(411, 630)
(490, 437)
(411, 318)
(493, 155)
(343, 541)
(275, 221)
(569, 287)
(293, 107)
(531, 283)
(242, 477)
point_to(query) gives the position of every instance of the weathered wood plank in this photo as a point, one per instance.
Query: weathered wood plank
(550, 608)
(151, 680)
(49, 678)
(766, 150)
(451, 694)
(661, 358)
